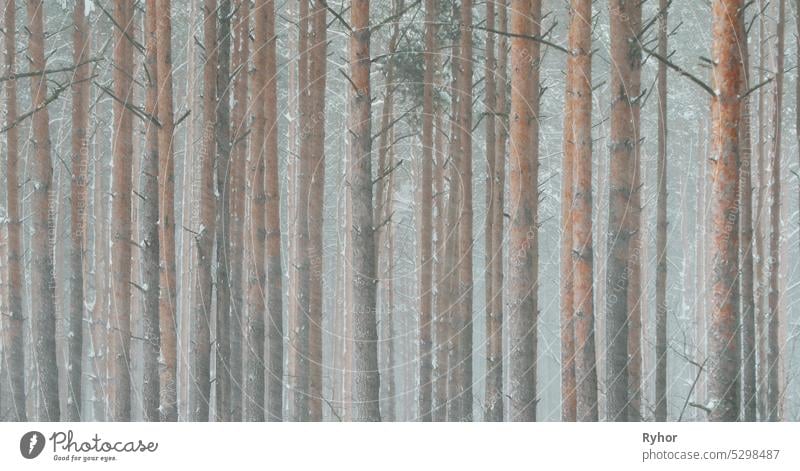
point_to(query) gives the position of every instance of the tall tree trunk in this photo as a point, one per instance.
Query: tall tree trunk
(200, 345)
(661, 222)
(299, 320)
(222, 382)
(384, 261)
(723, 341)
(119, 385)
(256, 238)
(582, 248)
(463, 368)
(748, 334)
(443, 268)
(238, 193)
(569, 403)
(366, 380)
(637, 249)
(773, 298)
(79, 197)
(761, 222)
(148, 219)
(168, 308)
(12, 325)
(525, 21)
(426, 221)
(273, 223)
(100, 314)
(316, 75)
(625, 18)
(494, 320)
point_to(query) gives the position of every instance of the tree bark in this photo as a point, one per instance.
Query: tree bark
(569, 403)
(168, 288)
(204, 230)
(582, 247)
(661, 222)
(238, 193)
(625, 19)
(773, 298)
(12, 325)
(494, 321)
(317, 67)
(366, 380)
(119, 385)
(463, 367)
(148, 218)
(523, 190)
(222, 381)
(254, 410)
(273, 224)
(426, 221)
(748, 334)
(723, 341)
(299, 320)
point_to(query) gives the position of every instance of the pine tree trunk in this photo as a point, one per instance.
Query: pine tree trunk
(316, 104)
(661, 223)
(148, 219)
(582, 247)
(12, 325)
(633, 24)
(299, 321)
(748, 334)
(119, 385)
(523, 191)
(273, 225)
(426, 222)
(761, 223)
(567, 285)
(494, 320)
(222, 381)
(204, 230)
(723, 341)
(463, 368)
(625, 19)
(255, 244)
(238, 193)
(773, 298)
(366, 380)
(443, 227)
(168, 364)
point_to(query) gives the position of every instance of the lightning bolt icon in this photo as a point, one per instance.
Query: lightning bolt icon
(32, 444)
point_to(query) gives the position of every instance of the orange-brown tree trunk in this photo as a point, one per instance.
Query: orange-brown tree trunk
(582, 247)
(204, 229)
(238, 170)
(566, 287)
(523, 191)
(723, 340)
